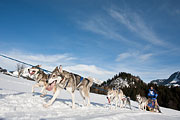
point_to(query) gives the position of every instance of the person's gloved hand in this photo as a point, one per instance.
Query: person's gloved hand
(156, 95)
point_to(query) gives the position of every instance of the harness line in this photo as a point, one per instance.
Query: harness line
(13, 59)
(19, 61)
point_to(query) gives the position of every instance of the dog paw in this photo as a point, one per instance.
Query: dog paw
(42, 95)
(46, 105)
(73, 107)
(88, 105)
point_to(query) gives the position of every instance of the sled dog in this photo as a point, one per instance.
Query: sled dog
(115, 96)
(126, 101)
(143, 101)
(70, 82)
(38, 75)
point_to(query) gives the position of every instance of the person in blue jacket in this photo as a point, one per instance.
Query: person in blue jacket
(152, 94)
(153, 97)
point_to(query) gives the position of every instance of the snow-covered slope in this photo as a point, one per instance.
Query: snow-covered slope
(17, 102)
(99, 82)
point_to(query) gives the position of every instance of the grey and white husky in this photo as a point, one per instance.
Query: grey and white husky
(70, 82)
(38, 75)
(114, 95)
(143, 101)
(126, 101)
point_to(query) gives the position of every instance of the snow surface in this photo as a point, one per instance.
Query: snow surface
(17, 102)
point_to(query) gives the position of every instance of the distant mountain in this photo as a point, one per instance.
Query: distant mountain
(123, 80)
(173, 80)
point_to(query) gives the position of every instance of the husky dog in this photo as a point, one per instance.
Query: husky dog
(126, 100)
(115, 96)
(70, 82)
(143, 101)
(38, 75)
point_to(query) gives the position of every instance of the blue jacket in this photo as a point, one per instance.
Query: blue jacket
(152, 94)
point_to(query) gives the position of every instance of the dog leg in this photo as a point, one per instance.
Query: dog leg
(73, 102)
(86, 94)
(111, 105)
(139, 106)
(53, 99)
(35, 86)
(84, 99)
(43, 92)
(116, 103)
(54, 89)
(88, 101)
(125, 103)
(130, 105)
(121, 103)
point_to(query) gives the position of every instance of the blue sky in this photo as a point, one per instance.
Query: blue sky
(96, 38)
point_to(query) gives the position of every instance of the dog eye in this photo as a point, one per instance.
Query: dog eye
(53, 75)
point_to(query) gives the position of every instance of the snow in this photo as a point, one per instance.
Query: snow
(17, 102)
(120, 82)
(176, 85)
(99, 82)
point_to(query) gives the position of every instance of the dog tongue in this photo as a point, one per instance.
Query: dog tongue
(50, 87)
(109, 100)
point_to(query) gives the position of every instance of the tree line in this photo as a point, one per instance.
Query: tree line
(168, 96)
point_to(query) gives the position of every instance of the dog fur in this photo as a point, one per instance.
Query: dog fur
(126, 101)
(70, 82)
(143, 101)
(115, 96)
(38, 75)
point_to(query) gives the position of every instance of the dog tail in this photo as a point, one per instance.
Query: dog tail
(129, 102)
(128, 99)
(90, 83)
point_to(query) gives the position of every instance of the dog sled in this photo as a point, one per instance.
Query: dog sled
(153, 105)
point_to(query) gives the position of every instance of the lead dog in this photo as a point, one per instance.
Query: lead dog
(115, 96)
(70, 82)
(38, 75)
(143, 101)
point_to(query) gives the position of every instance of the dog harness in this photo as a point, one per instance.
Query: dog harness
(81, 79)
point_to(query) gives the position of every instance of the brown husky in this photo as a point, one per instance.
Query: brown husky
(70, 82)
(38, 75)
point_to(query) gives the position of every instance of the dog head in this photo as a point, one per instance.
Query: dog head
(138, 97)
(55, 76)
(34, 70)
(110, 95)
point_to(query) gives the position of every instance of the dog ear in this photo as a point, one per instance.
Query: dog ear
(39, 66)
(60, 69)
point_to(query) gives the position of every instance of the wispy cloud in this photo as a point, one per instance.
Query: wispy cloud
(135, 23)
(177, 11)
(106, 28)
(136, 55)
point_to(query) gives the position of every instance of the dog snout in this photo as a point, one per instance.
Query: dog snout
(46, 81)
